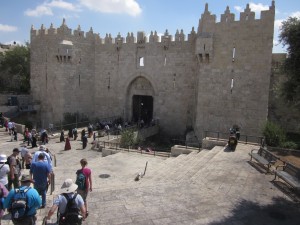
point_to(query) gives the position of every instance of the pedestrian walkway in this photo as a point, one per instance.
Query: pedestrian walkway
(213, 187)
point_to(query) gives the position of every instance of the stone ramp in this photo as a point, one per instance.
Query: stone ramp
(226, 189)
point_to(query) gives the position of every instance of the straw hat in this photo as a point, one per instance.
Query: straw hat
(42, 147)
(26, 178)
(68, 186)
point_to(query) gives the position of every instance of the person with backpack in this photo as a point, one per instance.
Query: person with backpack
(3, 195)
(15, 169)
(70, 205)
(23, 202)
(4, 170)
(84, 181)
(75, 133)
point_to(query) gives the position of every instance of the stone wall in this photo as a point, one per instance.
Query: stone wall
(189, 78)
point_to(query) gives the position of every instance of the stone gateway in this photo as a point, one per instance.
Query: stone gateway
(217, 76)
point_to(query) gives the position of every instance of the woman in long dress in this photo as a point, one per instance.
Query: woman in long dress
(67, 144)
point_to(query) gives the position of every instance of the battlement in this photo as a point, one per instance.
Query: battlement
(206, 24)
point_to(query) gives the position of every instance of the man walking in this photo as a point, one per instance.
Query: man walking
(68, 215)
(40, 171)
(15, 169)
(47, 156)
(23, 202)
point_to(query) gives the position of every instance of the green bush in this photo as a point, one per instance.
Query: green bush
(274, 134)
(127, 139)
(289, 145)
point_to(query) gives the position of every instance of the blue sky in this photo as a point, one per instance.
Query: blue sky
(114, 16)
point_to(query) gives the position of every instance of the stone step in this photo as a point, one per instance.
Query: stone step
(197, 164)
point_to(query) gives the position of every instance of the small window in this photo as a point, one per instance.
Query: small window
(165, 62)
(233, 54)
(247, 17)
(141, 61)
(207, 58)
(200, 58)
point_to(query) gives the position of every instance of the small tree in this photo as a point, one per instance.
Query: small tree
(289, 37)
(16, 63)
(274, 134)
(127, 139)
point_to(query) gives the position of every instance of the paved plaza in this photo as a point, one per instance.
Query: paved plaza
(212, 187)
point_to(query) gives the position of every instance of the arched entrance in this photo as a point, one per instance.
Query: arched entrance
(140, 100)
(142, 108)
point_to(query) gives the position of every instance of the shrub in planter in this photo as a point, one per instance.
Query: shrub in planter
(274, 134)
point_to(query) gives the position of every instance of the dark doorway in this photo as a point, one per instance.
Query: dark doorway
(142, 108)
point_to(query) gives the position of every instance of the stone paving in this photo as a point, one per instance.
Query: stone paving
(212, 187)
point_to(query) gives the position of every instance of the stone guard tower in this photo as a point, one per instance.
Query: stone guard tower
(214, 78)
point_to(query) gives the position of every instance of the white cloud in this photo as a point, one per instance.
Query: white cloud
(277, 24)
(40, 10)
(254, 7)
(258, 7)
(296, 14)
(46, 8)
(63, 5)
(130, 7)
(238, 8)
(7, 28)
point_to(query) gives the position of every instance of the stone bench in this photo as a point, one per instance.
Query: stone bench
(289, 173)
(263, 157)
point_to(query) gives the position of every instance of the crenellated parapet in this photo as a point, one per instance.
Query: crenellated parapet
(64, 32)
(207, 24)
(229, 29)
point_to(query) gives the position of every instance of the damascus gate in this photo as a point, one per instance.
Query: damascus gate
(214, 76)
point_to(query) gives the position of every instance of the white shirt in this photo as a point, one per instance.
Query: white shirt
(46, 159)
(3, 173)
(24, 150)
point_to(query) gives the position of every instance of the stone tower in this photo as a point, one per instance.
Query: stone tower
(215, 77)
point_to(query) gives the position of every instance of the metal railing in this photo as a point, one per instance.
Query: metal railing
(187, 144)
(247, 139)
(147, 151)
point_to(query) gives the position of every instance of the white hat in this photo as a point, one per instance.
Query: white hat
(3, 158)
(68, 186)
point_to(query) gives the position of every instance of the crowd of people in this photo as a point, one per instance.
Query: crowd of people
(25, 178)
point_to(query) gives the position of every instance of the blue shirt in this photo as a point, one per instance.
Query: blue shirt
(46, 159)
(34, 200)
(40, 171)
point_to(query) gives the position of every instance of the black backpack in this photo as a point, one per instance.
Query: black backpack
(71, 216)
(19, 208)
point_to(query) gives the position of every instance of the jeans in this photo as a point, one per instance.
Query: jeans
(42, 190)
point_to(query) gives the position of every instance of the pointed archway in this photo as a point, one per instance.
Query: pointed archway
(140, 100)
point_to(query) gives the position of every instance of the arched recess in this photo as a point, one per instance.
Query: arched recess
(140, 100)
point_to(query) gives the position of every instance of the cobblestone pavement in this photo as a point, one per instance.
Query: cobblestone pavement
(213, 187)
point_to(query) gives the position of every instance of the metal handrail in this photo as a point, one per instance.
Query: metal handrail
(243, 138)
(116, 146)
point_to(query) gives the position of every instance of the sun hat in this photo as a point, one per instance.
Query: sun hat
(3, 158)
(68, 186)
(26, 178)
(42, 147)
